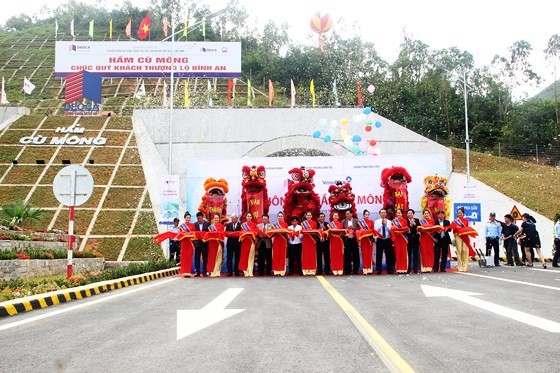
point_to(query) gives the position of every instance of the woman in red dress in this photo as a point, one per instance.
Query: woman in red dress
(336, 245)
(247, 239)
(365, 235)
(215, 238)
(427, 228)
(399, 229)
(186, 236)
(309, 245)
(279, 245)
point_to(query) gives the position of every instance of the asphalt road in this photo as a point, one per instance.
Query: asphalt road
(294, 324)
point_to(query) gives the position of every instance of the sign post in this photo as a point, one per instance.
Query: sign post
(72, 186)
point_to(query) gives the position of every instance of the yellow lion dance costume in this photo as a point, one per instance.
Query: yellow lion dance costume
(214, 200)
(435, 195)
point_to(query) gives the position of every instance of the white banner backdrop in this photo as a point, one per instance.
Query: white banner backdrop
(169, 197)
(148, 59)
(363, 173)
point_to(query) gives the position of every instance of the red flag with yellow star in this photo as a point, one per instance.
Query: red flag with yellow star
(144, 29)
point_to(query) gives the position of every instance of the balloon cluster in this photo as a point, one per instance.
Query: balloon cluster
(353, 143)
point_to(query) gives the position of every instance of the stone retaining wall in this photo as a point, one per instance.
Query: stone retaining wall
(43, 245)
(113, 264)
(47, 267)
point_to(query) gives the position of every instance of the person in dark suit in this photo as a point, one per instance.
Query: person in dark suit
(413, 244)
(264, 245)
(441, 246)
(200, 247)
(323, 248)
(351, 250)
(233, 246)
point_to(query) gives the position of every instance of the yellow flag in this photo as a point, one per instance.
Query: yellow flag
(111, 29)
(312, 89)
(91, 28)
(185, 30)
(249, 89)
(187, 99)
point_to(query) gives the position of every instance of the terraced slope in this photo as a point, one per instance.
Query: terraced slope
(117, 220)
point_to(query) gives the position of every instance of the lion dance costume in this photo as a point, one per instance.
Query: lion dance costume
(435, 195)
(254, 195)
(394, 181)
(300, 196)
(341, 200)
(214, 201)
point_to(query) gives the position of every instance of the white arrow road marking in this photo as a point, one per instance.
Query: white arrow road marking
(191, 321)
(467, 297)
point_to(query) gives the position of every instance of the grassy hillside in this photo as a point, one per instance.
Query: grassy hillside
(533, 185)
(548, 92)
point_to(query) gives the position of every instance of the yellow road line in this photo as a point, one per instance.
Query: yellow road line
(391, 359)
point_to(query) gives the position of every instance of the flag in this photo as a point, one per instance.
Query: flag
(91, 28)
(144, 29)
(249, 101)
(128, 29)
(293, 91)
(185, 30)
(187, 99)
(141, 91)
(204, 28)
(111, 29)
(3, 98)
(312, 89)
(164, 93)
(72, 29)
(209, 94)
(270, 92)
(233, 90)
(165, 26)
(55, 29)
(229, 89)
(360, 99)
(28, 87)
(335, 93)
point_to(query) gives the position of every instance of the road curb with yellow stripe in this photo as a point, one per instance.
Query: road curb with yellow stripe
(15, 306)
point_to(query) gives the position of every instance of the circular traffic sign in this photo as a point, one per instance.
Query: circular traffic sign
(73, 185)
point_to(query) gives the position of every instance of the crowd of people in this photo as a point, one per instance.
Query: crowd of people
(343, 245)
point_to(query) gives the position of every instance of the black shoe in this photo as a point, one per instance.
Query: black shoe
(435, 270)
(206, 275)
(391, 273)
(443, 270)
(555, 265)
(497, 265)
(197, 275)
(319, 273)
(229, 274)
(520, 265)
(379, 273)
(355, 272)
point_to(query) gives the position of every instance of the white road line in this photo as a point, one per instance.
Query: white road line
(545, 270)
(81, 305)
(512, 281)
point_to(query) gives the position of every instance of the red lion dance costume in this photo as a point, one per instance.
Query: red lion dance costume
(300, 196)
(341, 200)
(214, 201)
(254, 195)
(435, 195)
(394, 181)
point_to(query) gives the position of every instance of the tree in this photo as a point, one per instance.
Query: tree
(552, 55)
(19, 213)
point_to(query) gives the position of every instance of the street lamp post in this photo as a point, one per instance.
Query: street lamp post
(172, 76)
(467, 139)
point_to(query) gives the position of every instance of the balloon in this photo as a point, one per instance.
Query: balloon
(373, 142)
(357, 138)
(322, 122)
(320, 24)
(354, 149)
(344, 121)
(357, 118)
(337, 147)
(369, 122)
(330, 132)
(378, 124)
(368, 128)
(371, 88)
(316, 134)
(362, 147)
(334, 123)
(377, 151)
(327, 138)
(371, 151)
(367, 110)
(348, 142)
(343, 133)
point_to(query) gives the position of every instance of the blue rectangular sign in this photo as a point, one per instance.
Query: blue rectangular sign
(472, 211)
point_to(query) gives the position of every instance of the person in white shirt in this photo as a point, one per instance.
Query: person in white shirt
(294, 247)
(384, 244)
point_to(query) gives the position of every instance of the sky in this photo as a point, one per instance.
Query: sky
(482, 27)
